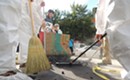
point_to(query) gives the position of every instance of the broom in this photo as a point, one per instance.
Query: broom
(37, 60)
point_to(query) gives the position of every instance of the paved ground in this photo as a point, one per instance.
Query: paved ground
(115, 70)
(84, 72)
(68, 73)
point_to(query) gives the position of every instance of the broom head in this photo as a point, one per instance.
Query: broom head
(37, 60)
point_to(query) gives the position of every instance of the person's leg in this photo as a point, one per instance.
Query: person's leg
(7, 58)
(101, 52)
(106, 57)
(24, 40)
(10, 11)
(25, 31)
(71, 49)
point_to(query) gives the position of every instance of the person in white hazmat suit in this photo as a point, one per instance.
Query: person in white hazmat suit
(15, 25)
(113, 17)
(25, 29)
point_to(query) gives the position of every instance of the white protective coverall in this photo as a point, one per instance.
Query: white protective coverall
(25, 30)
(15, 25)
(10, 18)
(113, 16)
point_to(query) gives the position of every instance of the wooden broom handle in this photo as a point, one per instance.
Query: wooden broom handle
(31, 16)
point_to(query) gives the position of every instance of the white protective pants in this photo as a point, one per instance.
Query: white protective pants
(18, 76)
(10, 12)
(119, 32)
(25, 30)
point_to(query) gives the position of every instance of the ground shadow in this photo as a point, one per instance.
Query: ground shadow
(82, 71)
(49, 75)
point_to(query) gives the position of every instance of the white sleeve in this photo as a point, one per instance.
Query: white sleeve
(60, 32)
(100, 18)
(37, 15)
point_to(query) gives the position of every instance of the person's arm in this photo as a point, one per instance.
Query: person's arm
(60, 32)
(43, 25)
(100, 17)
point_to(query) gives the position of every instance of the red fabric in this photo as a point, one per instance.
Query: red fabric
(41, 36)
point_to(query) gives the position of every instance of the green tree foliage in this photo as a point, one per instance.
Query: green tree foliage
(78, 23)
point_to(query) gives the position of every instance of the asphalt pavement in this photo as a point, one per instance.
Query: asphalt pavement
(84, 71)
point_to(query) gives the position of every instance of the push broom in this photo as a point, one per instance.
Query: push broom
(73, 61)
(37, 60)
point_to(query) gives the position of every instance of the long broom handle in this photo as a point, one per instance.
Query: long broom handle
(88, 48)
(31, 16)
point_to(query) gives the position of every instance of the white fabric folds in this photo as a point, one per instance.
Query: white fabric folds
(114, 18)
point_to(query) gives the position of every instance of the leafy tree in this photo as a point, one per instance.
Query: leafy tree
(78, 23)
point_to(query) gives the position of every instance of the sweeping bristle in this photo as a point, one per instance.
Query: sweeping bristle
(37, 60)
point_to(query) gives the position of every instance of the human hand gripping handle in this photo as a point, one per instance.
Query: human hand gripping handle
(103, 35)
(100, 36)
